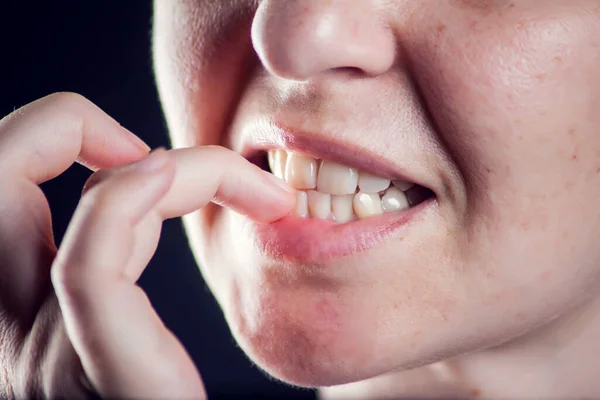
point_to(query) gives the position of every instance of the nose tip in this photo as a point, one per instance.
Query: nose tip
(298, 39)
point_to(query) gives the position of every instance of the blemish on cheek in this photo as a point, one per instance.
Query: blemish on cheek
(441, 27)
(540, 77)
(327, 313)
(558, 60)
(519, 316)
(475, 393)
(546, 275)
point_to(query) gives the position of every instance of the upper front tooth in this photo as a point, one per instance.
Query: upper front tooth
(402, 185)
(334, 178)
(301, 171)
(277, 160)
(372, 184)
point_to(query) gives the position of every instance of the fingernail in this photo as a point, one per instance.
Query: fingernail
(152, 162)
(135, 140)
(280, 183)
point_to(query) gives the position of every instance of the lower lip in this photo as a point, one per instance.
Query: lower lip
(315, 241)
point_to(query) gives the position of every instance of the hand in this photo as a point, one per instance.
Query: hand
(73, 321)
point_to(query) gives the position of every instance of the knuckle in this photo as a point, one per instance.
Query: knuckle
(69, 279)
(67, 99)
(59, 106)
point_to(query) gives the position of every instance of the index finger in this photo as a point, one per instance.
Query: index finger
(215, 174)
(42, 139)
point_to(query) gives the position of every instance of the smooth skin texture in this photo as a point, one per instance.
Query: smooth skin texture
(495, 293)
(73, 321)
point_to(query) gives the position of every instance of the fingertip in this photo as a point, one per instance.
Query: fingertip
(135, 140)
(279, 200)
(156, 161)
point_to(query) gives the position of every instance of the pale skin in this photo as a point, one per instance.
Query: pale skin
(494, 294)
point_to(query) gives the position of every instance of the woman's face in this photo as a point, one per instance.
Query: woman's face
(493, 105)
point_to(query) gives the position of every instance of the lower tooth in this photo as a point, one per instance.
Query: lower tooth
(342, 208)
(367, 205)
(394, 200)
(319, 204)
(301, 209)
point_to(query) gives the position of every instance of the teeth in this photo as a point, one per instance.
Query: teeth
(301, 171)
(301, 209)
(404, 186)
(394, 200)
(337, 179)
(367, 205)
(319, 204)
(372, 184)
(342, 208)
(328, 190)
(277, 160)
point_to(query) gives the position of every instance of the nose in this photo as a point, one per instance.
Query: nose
(299, 39)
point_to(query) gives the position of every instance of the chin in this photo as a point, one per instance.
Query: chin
(313, 338)
(289, 345)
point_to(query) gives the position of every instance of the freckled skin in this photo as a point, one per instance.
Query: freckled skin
(497, 100)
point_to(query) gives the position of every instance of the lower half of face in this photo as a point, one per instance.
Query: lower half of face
(505, 136)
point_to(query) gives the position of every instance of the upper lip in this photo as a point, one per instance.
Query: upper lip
(266, 135)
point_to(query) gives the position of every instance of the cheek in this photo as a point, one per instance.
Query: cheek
(201, 52)
(516, 99)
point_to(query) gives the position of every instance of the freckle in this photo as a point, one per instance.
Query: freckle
(558, 60)
(546, 275)
(475, 393)
(598, 170)
(519, 316)
(574, 157)
(541, 77)
(488, 170)
(511, 5)
(441, 28)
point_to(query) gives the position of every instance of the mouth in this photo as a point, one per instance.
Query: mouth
(348, 201)
(331, 191)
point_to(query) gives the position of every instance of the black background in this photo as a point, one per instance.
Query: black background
(101, 49)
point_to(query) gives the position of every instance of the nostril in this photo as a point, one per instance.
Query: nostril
(349, 72)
